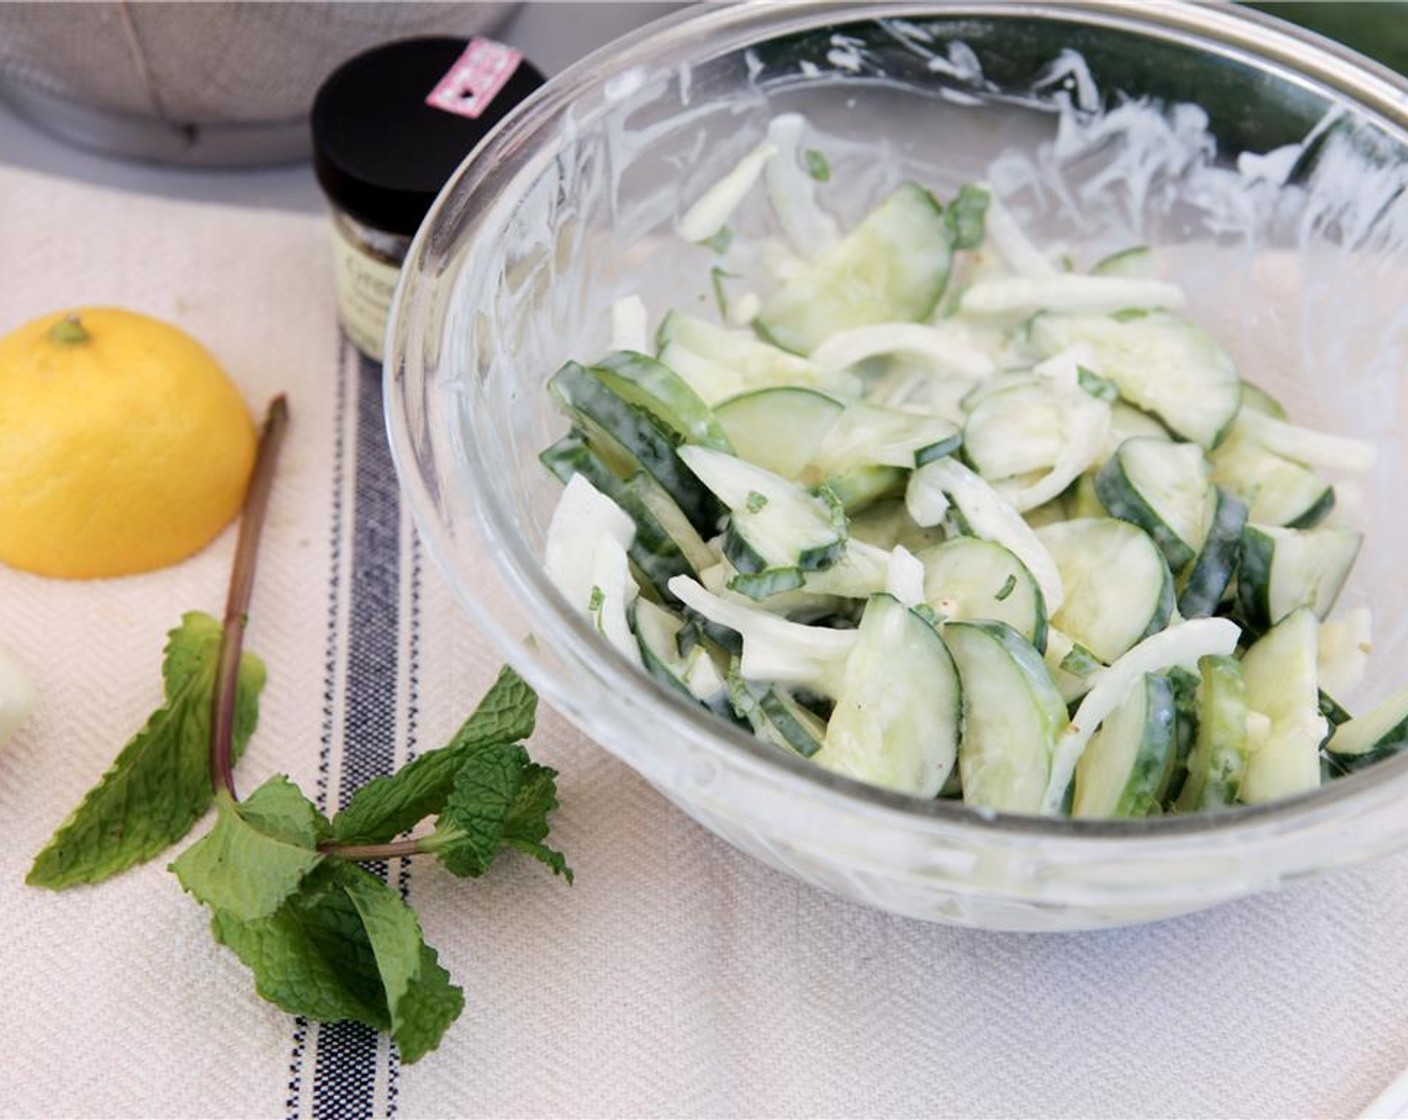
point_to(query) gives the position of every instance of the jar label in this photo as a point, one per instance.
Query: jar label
(365, 286)
(475, 78)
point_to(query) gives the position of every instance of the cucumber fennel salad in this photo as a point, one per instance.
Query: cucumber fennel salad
(945, 513)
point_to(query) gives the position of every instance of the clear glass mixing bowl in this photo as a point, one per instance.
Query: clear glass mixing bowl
(1266, 163)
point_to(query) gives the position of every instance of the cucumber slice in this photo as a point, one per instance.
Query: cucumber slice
(896, 720)
(1164, 488)
(1015, 430)
(779, 428)
(1128, 422)
(986, 513)
(1211, 574)
(1180, 646)
(1137, 262)
(1159, 362)
(654, 550)
(1219, 756)
(1280, 570)
(1012, 716)
(1127, 761)
(1279, 671)
(1257, 399)
(649, 384)
(968, 578)
(695, 674)
(1118, 587)
(756, 363)
(776, 716)
(629, 438)
(773, 523)
(1380, 732)
(891, 267)
(867, 435)
(1185, 729)
(858, 488)
(1276, 490)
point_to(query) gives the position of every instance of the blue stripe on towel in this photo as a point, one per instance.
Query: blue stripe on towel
(346, 1055)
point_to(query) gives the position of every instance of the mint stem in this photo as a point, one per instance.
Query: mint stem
(360, 852)
(256, 504)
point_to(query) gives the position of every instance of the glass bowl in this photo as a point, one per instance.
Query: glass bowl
(1266, 164)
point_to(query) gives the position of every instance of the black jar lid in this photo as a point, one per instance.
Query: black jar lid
(379, 150)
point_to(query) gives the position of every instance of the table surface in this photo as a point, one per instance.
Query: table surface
(1292, 1002)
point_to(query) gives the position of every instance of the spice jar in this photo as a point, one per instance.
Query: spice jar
(389, 128)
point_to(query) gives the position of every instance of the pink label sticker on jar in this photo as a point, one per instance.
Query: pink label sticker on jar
(475, 78)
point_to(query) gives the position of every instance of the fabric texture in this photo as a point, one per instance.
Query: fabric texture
(677, 977)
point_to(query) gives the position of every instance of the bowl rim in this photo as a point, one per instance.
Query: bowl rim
(1253, 37)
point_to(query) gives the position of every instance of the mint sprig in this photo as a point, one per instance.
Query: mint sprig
(159, 785)
(324, 938)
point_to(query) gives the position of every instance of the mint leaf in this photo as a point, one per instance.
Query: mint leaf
(526, 826)
(500, 799)
(818, 166)
(257, 854)
(312, 957)
(386, 807)
(421, 999)
(159, 786)
(966, 217)
(345, 946)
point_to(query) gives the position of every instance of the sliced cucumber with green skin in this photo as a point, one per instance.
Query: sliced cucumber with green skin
(968, 578)
(1276, 490)
(776, 716)
(1279, 570)
(657, 555)
(1118, 587)
(858, 488)
(1012, 716)
(1160, 362)
(1211, 573)
(695, 674)
(892, 267)
(1330, 708)
(1128, 422)
(1219, 757)
(1380, 732)
(1164, 488)
(938, 488)
(779, 428)
(896, 721)
(649, 384)
(867, 435)
(1126, 762)
(720, 363)
(1184, 683)
(626, 436)
(1257, 399)
(1279, 671)
(1015, 431)
(1136, 262)
(773, 523)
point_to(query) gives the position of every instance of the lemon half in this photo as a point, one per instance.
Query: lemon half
(124, 447)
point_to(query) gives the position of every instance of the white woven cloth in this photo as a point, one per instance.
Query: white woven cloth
(677, 977)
